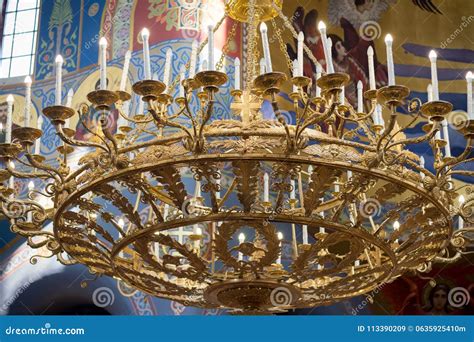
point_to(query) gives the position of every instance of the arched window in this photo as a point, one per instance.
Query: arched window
(18, 45)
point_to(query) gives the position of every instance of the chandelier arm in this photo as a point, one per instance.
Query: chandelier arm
(19, 174)
(191, 117)
(282, 120)
(462, 157)
(448, 260)
(208, 113)
(45, 167)
(320, 118)
(416, 140)
(126, 117)
(385, 134)
(80, 143)
(114, 149)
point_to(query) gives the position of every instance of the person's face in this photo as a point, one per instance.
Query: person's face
(439, 300)
(341, 51)
(3, 113)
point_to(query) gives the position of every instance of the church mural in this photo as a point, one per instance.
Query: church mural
(73, 28)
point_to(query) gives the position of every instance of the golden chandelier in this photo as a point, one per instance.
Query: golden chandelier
(337, 189)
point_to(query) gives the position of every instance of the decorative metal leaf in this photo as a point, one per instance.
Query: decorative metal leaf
(322, 179)
(170, 177)
(108, 192)
(247, 182)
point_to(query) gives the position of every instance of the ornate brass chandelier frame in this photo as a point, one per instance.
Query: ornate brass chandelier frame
(353, 180)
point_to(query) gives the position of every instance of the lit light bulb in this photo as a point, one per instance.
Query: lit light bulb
(1, 126)
(396, 225)
(432, 55)
(461, 199)
(469, 76)
(321, 26)
(31, 185)
(388, 38)
(10, 99)
(59, 59)
(280, 235)
(241, 238)
(12, 164)
(145, 33)
(28, 80)
(121, 223)
(103, 41)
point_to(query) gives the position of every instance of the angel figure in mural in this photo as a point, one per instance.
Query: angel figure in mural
(431, 300)
(349, 54)
(88, 127)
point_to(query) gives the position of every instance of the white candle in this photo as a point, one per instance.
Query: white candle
(218, 183)
(241, 241)
(29, 215)
(370, 58)
(39, 125)
(300, 53)
(470, 109)
(262, 66)
(27, 100)
(293, 190)
(266, 187)
(390, 67)
(237, 74)
(210, 47)
(375, 115)
(203, 65)
(447, 148)
(141, 106)
(192, 63)
(8, 129)
(324, 40)
(182, 76)
(146, 53)
(197, 189)
(126, 65)
(59, 80)
(70, 94)
(429, 91)
(380, 116)
(305, 234)
(266, 47)
(295, 73)
(167, 71)
(280, 237)
(422, 165)
(434, 75)
(329, 59)
(461, 200)
(360, 98)
(319, 70)
(342, 95)
(103, 63)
